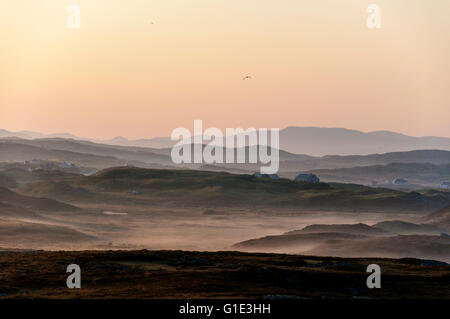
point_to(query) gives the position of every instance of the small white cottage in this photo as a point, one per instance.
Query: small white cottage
(309, 178)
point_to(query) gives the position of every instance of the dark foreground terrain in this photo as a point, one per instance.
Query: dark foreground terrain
(180, 274)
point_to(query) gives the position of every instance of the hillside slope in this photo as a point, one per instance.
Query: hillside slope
(10, 199)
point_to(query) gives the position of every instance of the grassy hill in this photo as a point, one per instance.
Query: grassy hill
(406, 228)
(358, 229)
(16, 152)
(221, 188)
(100, 156)
(139, 185)
(12, 200)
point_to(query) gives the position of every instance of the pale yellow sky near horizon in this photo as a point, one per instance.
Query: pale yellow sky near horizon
(141, 68)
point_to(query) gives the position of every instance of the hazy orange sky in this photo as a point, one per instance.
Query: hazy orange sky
(140, 68)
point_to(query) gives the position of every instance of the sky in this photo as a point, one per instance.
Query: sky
(141, 68)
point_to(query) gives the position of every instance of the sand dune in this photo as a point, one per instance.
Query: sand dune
(357, 240)
(8, 197)
(440, 218)
(360, 229)
(35, 235)
(429, 247)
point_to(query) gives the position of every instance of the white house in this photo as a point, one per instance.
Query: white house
(65, 165)
(400, 181)
(309, 178)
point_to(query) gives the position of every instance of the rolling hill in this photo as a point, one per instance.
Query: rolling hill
(420, 174)
(35, 235)
(440, 217)
(423, 165)
(18, 152)
(383, 239)
(401, 246)
(219, 188)
(357, 229)
(10, 199)
(317, 141)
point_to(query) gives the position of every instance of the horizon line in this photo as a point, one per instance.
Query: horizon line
(48, 135)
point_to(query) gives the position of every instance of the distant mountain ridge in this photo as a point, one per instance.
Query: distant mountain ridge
(340, 141)
(35, 135)
(157, 142)
(316, 141)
